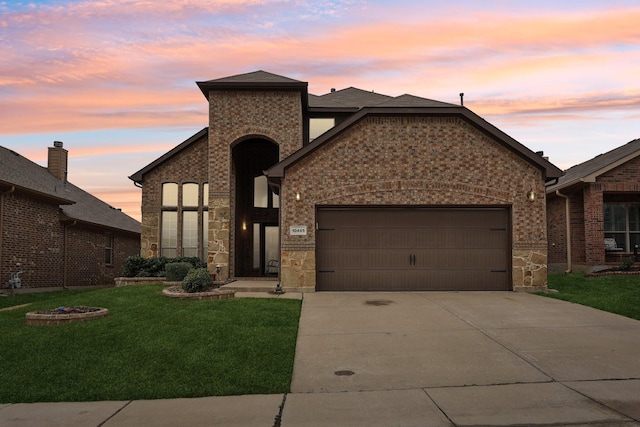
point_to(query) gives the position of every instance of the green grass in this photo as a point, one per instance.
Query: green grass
(148, 347)
(615, 294)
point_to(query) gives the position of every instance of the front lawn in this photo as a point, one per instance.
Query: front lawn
(148, 347)
(616, 294)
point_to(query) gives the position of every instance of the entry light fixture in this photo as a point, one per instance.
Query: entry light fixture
(244, 225)
(531, 195)
(298, 196)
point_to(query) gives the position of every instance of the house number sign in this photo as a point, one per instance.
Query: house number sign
(298, 230)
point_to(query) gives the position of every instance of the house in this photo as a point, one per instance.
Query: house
(350, 190)
(54, 232)
(594, 210)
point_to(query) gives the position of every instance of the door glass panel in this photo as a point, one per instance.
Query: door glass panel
(271, 250)
(256, 245)
(260, 192)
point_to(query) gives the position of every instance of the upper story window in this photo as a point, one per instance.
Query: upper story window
(318, 126)
(263, 197)
(170, 194)
(190, 195)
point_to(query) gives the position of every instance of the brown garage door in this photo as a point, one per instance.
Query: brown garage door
(394, 249)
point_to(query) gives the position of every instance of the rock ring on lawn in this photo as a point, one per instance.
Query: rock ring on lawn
(211, 294)
(64, 315)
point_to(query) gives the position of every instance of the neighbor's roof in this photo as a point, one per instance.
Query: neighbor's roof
(21, 174)
(591, 169)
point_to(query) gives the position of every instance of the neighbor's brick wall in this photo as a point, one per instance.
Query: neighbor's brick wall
(556, 228)
(235, 116)
(86, 256)
(31, 241)
(190, 165)
(415, 161)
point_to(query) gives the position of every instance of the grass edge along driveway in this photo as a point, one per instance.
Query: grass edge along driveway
(615, 294)
(148, 347)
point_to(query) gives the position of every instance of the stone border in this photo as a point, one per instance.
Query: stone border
(214, 294)
(40, 319)
(613, 273)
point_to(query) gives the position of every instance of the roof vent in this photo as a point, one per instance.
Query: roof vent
(462, 99)
(57, 144)
(333, 89)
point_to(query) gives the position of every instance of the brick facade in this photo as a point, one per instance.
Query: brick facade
(414, 161)
(235, 116)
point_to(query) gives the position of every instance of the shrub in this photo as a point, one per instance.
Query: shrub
(197, 280)
(176, 271)
(137, 266)
(627, 263)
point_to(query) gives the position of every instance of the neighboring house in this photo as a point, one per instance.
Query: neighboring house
(54, 232)
(600, 199)
(351, 190)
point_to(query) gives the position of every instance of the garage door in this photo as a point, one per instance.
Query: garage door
(394, 249)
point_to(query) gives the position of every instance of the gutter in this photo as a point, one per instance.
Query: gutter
(568, 225)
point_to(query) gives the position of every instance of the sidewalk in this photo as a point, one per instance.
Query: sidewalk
(418, 359)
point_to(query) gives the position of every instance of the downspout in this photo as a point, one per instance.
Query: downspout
(13, 188)
(566, 207)
(66, 254)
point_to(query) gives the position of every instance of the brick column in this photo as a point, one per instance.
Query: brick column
(594, 224)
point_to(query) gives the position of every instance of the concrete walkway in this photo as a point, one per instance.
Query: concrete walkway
(418, 359)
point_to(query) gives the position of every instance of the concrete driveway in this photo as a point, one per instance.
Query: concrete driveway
(486, 358)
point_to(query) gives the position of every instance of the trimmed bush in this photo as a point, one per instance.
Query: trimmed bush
(197, 280)
(137, 266)
(176, 271)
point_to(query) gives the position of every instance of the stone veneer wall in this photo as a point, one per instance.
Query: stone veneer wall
(235, 116)
(190, 165)
(415, 161)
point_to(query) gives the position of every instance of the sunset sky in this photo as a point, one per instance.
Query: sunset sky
(115, 79)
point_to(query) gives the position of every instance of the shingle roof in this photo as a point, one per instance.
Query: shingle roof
(75, 203)
(411, 101)
(591, 169)
(257, 79)
(350, 97)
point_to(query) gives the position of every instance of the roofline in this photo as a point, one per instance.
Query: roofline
(54, 199)
(593, 175)
(64, 218)
(551, 171)
(138, 176)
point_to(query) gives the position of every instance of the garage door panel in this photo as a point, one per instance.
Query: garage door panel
(413, 249)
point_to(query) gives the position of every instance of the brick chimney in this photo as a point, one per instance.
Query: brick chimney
(57, 161)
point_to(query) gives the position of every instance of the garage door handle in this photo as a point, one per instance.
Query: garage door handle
(326, 271)
(412, 259)
(498, 271)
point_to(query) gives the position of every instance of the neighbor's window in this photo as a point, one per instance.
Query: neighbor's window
(318, 126)
(108, 249)
(622, 223)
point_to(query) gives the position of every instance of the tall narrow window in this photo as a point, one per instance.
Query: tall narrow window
(260, 192)
(169, 242)
(205, 235)
(205, 195)
(108, 249)
(190, 233)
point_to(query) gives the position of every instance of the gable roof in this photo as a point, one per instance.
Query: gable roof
(405, 105)
(23, 175)
(138, 177)
(351, 97)
(591, 169)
